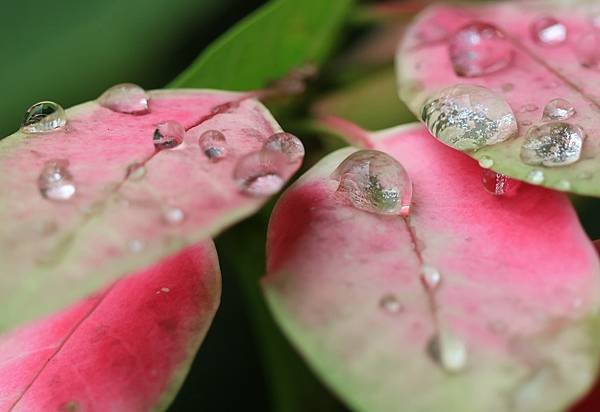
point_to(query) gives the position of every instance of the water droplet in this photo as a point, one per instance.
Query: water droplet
(43, 117)
(498, 184)
(469, 117)
(55, 182)
(587, 50)
(165, 290)
(479, 49)
(548, 31)
(135, 171)
(125, 98)
(173, 215)
(287, 144)
(528, 108)
(448, 351)
(375, 182)
(431, 276)
(563, 185)
(553, 144)
(391, 304)
(136, 246)
(486, 162)
(213, 144)
(558, 109)
(261, 173)
(535, 176)
(168, 135)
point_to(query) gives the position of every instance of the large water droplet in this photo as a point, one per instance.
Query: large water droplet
(553, 144)
(125, 98)
(469, 117)
(55, 182)
(375, 182)
(43, 117)
(479, 49)
(431, 276)
(498, 184)
(536, 176)
(168, 135)
(548, 31)
(214, 144)
(261, 173)
(448, 351)
(287, 144)
(558, 109)
(587, 50)
(391, 304)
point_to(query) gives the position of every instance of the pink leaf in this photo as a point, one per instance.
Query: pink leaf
(473, 303)
(127, 348)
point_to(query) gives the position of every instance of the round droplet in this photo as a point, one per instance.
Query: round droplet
(563, 185)
(43, 117)
(548, 31)
(535, 176)
(587, 50)
(173, 215)
(55, 182)
(528, 108)
(391, 304)
(375, 182)
(448, 351)
(558, 109)
(286, 143)
(553, 144)
(213, 144)
(135, 171)
(486, 162)
(468, 117)
(431, 276)
(261, 173)
(479, 49)
(168, 135)
(125, 98)
(499, 184)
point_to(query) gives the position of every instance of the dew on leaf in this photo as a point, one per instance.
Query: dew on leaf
(43, 117)
(431, 276)
(168, 135)
(287, 144)
(391, 304)
(213, 144)
(535, 176)
(55, 182)
(486, 162)
(498, 184)
(448, 351)
(261, 173)
(173, 215)
(558, 109)
(125, 98)
(553, 144)
(548, 31)
(563, 185)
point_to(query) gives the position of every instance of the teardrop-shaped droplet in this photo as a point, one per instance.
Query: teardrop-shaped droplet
(553, 144)
(499, 184)
(173, 215)
(55, 182)
(468, 117)
(536, 177)
(587, 50)
(261, 173)
(43, 117)
(287, 144)
(431, 276)
(391, 304)
(375, 182)
(125, 98)
(558, 109)
(135, 171)
(448, 351)
(548, 31)
(213, 144)
(478, 49)
(486, 162)
(168, 135)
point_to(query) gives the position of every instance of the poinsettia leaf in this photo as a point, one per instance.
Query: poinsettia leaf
(526, 54)
(133, 204)
(511, 324)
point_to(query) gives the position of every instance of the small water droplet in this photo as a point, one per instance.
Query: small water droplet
(168, 135)
(165, 290)
(486, 162)
(563, 185)
(431, 276)
(558, 109)
(55, 182)
(478, 49)
(287, 144)
(261, 173)
(553, 144)
(498, 184)
(468, 117)
(136, 246)
(448, 351)
(125, 98)
(43, 117)
(587, 50)
(173, 215)
(391, 304)
(135, 171)
(528, 108)
(535, 176)
(548, 31)
(375, 182)
(214, 145)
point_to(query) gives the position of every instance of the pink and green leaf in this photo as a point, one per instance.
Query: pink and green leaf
(519, 287)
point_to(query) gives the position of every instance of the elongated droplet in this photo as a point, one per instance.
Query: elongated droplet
(431, 276)
(548, 31)
(135, 171)
(536, 177)
(55, 181)
(558, 109)
(479, 49)
(168, 135)
(287, 144)
(553, 144)
(448, 351)
(375, 182)
(468, 117)
(173, 215)
(498, 184)
(261, 173)
(587, 50)
(486, 162)
(391, 304)
(43, 117)
(125, 98)
(213, 144)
